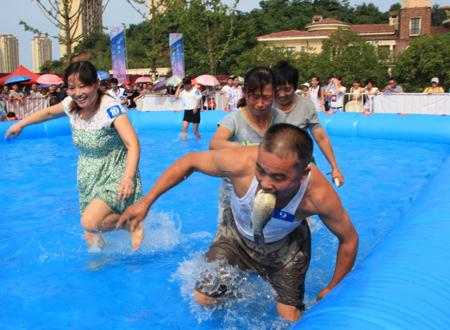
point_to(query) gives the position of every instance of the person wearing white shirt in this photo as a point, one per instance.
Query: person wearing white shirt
(118, 93)
(337, 92)
(191, 98)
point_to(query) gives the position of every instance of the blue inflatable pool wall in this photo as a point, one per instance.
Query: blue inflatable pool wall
(404, 283)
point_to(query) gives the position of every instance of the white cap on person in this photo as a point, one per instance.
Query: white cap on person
(435, 80)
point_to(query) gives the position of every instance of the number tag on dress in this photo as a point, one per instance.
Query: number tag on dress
(114, 111)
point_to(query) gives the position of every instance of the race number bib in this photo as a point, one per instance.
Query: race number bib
(114, 111)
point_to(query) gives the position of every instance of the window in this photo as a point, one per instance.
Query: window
(414, 26)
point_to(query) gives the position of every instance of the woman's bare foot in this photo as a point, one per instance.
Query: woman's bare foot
(137, 236)
(94, 240)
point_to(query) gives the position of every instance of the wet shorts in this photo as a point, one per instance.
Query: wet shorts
(192, 117)
(284, 264)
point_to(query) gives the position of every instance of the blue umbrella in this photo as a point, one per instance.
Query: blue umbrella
(102, 75)
(17, 79)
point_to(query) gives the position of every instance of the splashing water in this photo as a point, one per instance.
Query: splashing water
(244, 292)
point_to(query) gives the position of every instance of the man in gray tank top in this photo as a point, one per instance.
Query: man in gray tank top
(281, 166)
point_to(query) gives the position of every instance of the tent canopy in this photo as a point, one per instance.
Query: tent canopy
(21, 71)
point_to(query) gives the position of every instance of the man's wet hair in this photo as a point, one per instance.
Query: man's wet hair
(285, 73)
(286, 139)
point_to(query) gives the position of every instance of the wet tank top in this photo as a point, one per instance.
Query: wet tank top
(283, 221)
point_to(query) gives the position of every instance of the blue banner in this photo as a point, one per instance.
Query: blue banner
(119, 53)
(176, 54)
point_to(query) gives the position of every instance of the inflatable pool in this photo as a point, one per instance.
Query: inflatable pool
(397, 194)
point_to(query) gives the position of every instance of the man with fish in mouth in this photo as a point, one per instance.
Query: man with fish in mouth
(275, 188)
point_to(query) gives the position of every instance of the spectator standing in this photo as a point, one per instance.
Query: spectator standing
(305, 91)
(393, 87)
(355, 103)
(117, 92)
(15, 93)
(316, 94)
(131, 93)
(370, 92)
(336, 92)
(434, 88)
(52, 95)
(191, 98)
(235, 94)
(34, 91)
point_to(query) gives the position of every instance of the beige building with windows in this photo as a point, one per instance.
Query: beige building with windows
(41, 51)
(9, 53)
(413, 19)
(87, 19)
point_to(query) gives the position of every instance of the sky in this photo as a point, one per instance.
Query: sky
(117, 12)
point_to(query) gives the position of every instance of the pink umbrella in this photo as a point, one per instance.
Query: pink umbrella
(143, 79)
(207, 80)
(49, 79)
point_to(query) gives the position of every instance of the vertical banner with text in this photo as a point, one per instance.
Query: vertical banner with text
(176, 54)
(119, 53)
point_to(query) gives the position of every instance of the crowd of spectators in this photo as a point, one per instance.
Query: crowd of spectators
(331, 96)
(334, 96)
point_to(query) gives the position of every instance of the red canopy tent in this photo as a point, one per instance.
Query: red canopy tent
(21, 70)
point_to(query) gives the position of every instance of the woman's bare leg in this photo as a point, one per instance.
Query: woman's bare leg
(99, 217)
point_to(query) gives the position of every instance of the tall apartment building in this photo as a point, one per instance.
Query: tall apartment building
(90, 19)
(41, 51)
(9, 53)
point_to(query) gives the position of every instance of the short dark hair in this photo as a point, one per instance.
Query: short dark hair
(283, 139)
(285, 73)
(258, 78)
(113, 81)
(187, 81)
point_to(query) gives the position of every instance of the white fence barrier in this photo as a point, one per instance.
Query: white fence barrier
(405, 103)
(430, 104)
(171, 103)
(26, 106)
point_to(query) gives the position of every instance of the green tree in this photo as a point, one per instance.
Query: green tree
(52, 67)
(346, 55)
(161, 19)
(438, 15)
(97, 48)
(209, 29)
(426, 57)
(261, 55)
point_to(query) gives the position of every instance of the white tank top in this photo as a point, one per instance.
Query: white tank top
(283, 220)
(314, 93)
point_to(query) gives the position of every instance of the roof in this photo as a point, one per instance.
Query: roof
(357, 28)
(295, 34)
(329, 21)
(439, 30)
(372, 28)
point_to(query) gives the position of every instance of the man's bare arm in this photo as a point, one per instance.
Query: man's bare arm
(332, 213)
(227, 162)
